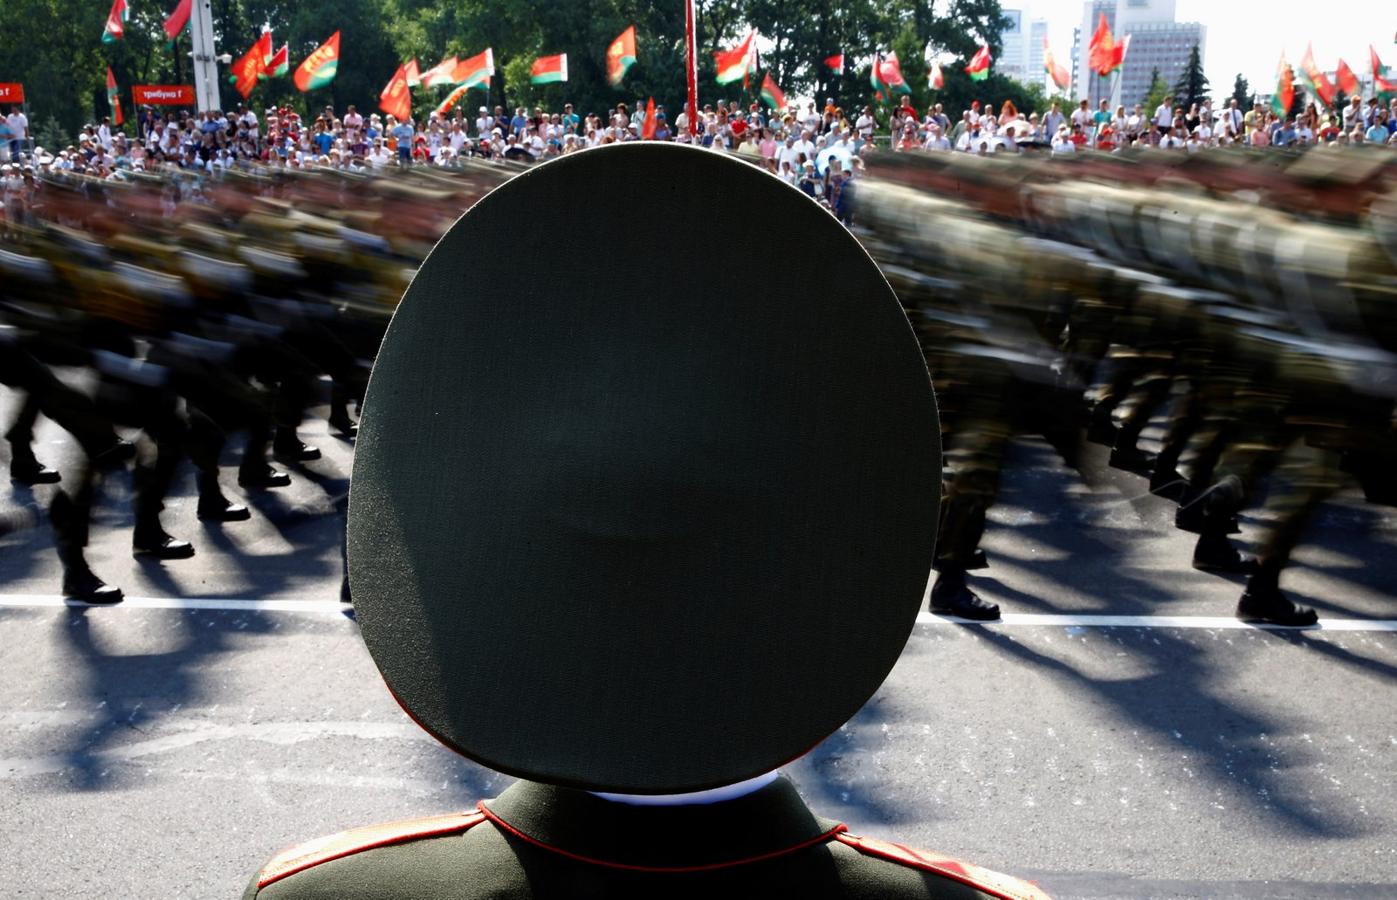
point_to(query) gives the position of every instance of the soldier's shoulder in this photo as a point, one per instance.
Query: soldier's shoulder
(957, 877)
(356, 841)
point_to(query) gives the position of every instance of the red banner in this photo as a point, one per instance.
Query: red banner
(11, 93)
(163, 94)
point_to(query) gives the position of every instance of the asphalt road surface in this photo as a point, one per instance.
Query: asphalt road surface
(1119, 735)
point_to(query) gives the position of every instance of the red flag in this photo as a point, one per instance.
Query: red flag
(647, 130)
(1060, 76)
(835, 62)
(178, 19)
(396, 99)
(620, 56)
(411, 74)
(979, 66)
(1318, 81)
(1381, 85)
(1348, 82)
(737, 62)
(113, 98)
(250, 65)
(440, 73)
(1105, 55)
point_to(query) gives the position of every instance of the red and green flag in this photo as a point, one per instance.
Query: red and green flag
(935, 78)
(1105, 54)
(979, 66)
(113, 99)
(414, 78)
(279, 64)
(178, 19)
(396, 99)
(1284, 97)
(251, 66)
(475, 71)
(1382, 85)
(1316, 82)
(115, 29)
(1348, 82)
(835, 63)
(549, 69)
(771, 94)
(1056, 72)
(647, 128)
(887, 74)
(620, 56)
(737, 62)
(441, 73)
(318, 69)
(452, 99)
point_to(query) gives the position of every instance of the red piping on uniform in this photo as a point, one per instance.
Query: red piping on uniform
(818, 839)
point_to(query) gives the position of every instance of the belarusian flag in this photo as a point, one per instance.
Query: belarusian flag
(1284, 97)
(835, 62)
(935, 79)
(452, 99)
(251, 65)
(318, 69)
(178, 19)
(279, 64)
(735, 63)
(979, 67)
(1348, 82)
(1057, 73)
(411, 74)
(1381, 84)
(771, 94)
(116, 22)
(476, 71)
(113, 99)
(1315, 79)
(549, 69)
(396, 99)
(887, 73)
(620, 56)
(440, 73)
(1105, 53)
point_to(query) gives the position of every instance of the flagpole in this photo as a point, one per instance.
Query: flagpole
(691, 64)
(205, 73)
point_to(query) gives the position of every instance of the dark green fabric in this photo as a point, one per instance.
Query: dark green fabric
(615, 499)
(486, 862)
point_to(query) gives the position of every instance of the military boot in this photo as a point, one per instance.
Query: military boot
(950, 596)
(213, 506)
(69, 538)
(1215, 553)
(1263, 602)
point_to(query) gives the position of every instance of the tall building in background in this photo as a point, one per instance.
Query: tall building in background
(1156, 42)
(1013, 61)
(1037, 31)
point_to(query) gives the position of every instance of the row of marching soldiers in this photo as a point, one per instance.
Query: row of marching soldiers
(1249, 300)
(155, 320)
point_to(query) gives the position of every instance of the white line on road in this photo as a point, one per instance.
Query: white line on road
(1050, 620)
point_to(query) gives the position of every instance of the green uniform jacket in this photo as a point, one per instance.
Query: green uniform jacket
(537, 841)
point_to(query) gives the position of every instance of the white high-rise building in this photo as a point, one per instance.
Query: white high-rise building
(1013, 58)
(1037, 31)
(1156, 42)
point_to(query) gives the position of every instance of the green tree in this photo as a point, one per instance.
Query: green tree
(1192, 86)
(1156, 94)
(1241, 92)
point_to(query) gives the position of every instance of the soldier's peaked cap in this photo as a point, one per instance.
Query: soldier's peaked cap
(628, 514)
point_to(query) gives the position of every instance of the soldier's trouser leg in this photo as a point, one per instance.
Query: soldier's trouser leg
(1146, 399)
(21, 431)
(153, 481)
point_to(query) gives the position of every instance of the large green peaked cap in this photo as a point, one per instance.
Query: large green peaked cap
(645, 494)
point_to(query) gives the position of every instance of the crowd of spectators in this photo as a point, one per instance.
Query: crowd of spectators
(815, 148)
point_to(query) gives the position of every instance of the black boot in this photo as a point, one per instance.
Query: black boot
(951, 597)
(213, 506)
(290, 449)
(261, 475)
(31, 472)
(79, 583)
(149, 539)
(1215, 553)
(1263, 602)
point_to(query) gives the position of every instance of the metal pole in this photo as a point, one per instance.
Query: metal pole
(205, 66)
(691, 64)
